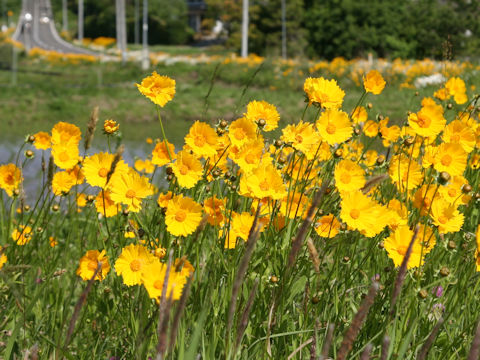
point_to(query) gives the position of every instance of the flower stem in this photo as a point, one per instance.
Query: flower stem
(163, 133)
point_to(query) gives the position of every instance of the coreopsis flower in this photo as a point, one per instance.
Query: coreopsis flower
(446, 216)
(398, 214)
(145, 166)
(334, 126)
(477, 252)
(183, 267)
(130, 188)
(389, 134)
(428, 122)
(3, 257)
(325, 93)
(363, 214)
(370, 128)
(63, 133)
(110, 126)
(164, 198)
(459, 132)
(42, 140)
(373, 82)
(22, 235)
(327, 226)
(250, 155)
(263, 114)
(240, 226)
(359, 115)
(62, 182)
(405, 173)
(263, 182)
(159, 89)
(294, 204)
(452, 192)
(77, 174)
(456, 88)
(450, 157)
(183, 216)
(105, 205)
(242, 131)
(65, 155)
(10, 178)
(303, 137)
(132, 262)
(426, 238)
(397, 244)
(81, 200)
(215, 208)
(52, 242)
(441, 94)
(160, 154)
(97, 167)
(349, 176)
(188, 169)
(202, 139)
(90, 262)
(424, 197)
(153, 278)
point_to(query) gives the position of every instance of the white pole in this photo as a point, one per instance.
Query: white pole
(80, 20)
(145, 58)
(284, 29)
(245, 29)
(64, 15)
(123, 31)
(137, 22)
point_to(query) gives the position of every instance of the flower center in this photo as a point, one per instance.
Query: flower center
(355, 214)
(442, 219)
(345, 178)
(180, 215)
(456, 138)
(158, 284)
(9, 179)
(446, 160)
(402, 250)
(264, 185)
(199, 140)
(64, 156)
(452, 192)
(331, 128)
(239, 134)
(299, 138)
(250, 158)
(135, 265)
(103, 172)
(130, 194)
(183, 169)
(92, 265)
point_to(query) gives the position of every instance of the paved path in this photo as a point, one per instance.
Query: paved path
(36, 28)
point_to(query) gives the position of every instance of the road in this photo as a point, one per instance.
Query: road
(36, 28)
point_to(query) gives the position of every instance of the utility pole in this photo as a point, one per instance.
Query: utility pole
(121, 29)
(137, 22)
(64, 16)
(245, 29)
(80, 20)
(284, 29)
(145, 58)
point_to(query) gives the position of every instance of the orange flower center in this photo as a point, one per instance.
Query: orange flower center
(9, 179)
(331, 128)
(452, 192)
(299, 138)
(63, 156)
(355, 214)
(423, 122)
(135, 265)
(250, 159)
(130, 194)
(402, 250)
(264, 186)
(239, 134)
(199, 140)
(456, 138)
(180, 215)
(103, 172)
(92, 265)
(345, 178)
(183, 169)
(158, 284)
(446, 160)
(442, 219)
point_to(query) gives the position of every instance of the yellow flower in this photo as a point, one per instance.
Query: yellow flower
(294, 204)
(239, 228)
(110, 126)
(397, 244)
(145, 166)
(450, 158)
(42, 140)
(3, 257)
(63, 133)
(303, 137)
(374, 82)
(22, 235)
(460, 133)
(153, 278)
(334, 126)
(263, 182)
(52, 242)
(250, 155)
(327, 226)
(159, 89)
(188, 169)
(453, 191)
(131, 262)
(370, 128)
(389, 134)
(428, 122)
(10, 178)
(405, 173)
(215, 207)
(456, 88)
(105, 205)
(160, 155)
(163, 199)
(130, 188)
(359, 115)
(183, 216)
(441, 94)
(202, 139)
(62, 183)
(424, 197)
(241, 131)
(446, 216)
(349, 176)
(90, 262)
(97, 167)
(325, 93)
(263, 114)
(65, 155)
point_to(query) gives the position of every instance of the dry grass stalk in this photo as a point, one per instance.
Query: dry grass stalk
(242, 268)
(51, 168)
(242, 325)
(313, 347)
(357, 322)
(116, 159)
(179, 311)
(397, 287)
(92, 124)
(327, 343)
(475, 348)
(366, 352)
(373, 181)
(302, 232)
(313, 255)
(164, 310)
(422, 354)
(309, 341)
(385, 347)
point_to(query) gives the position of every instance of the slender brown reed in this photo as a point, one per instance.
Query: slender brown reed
(92, 124)
(164, 310)
(328, 342)
(475, 348)
(179, 311)
(423, 352)
(385, 347)
(366, 352)
(116, 159)
(242, 325)
(313, 255)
